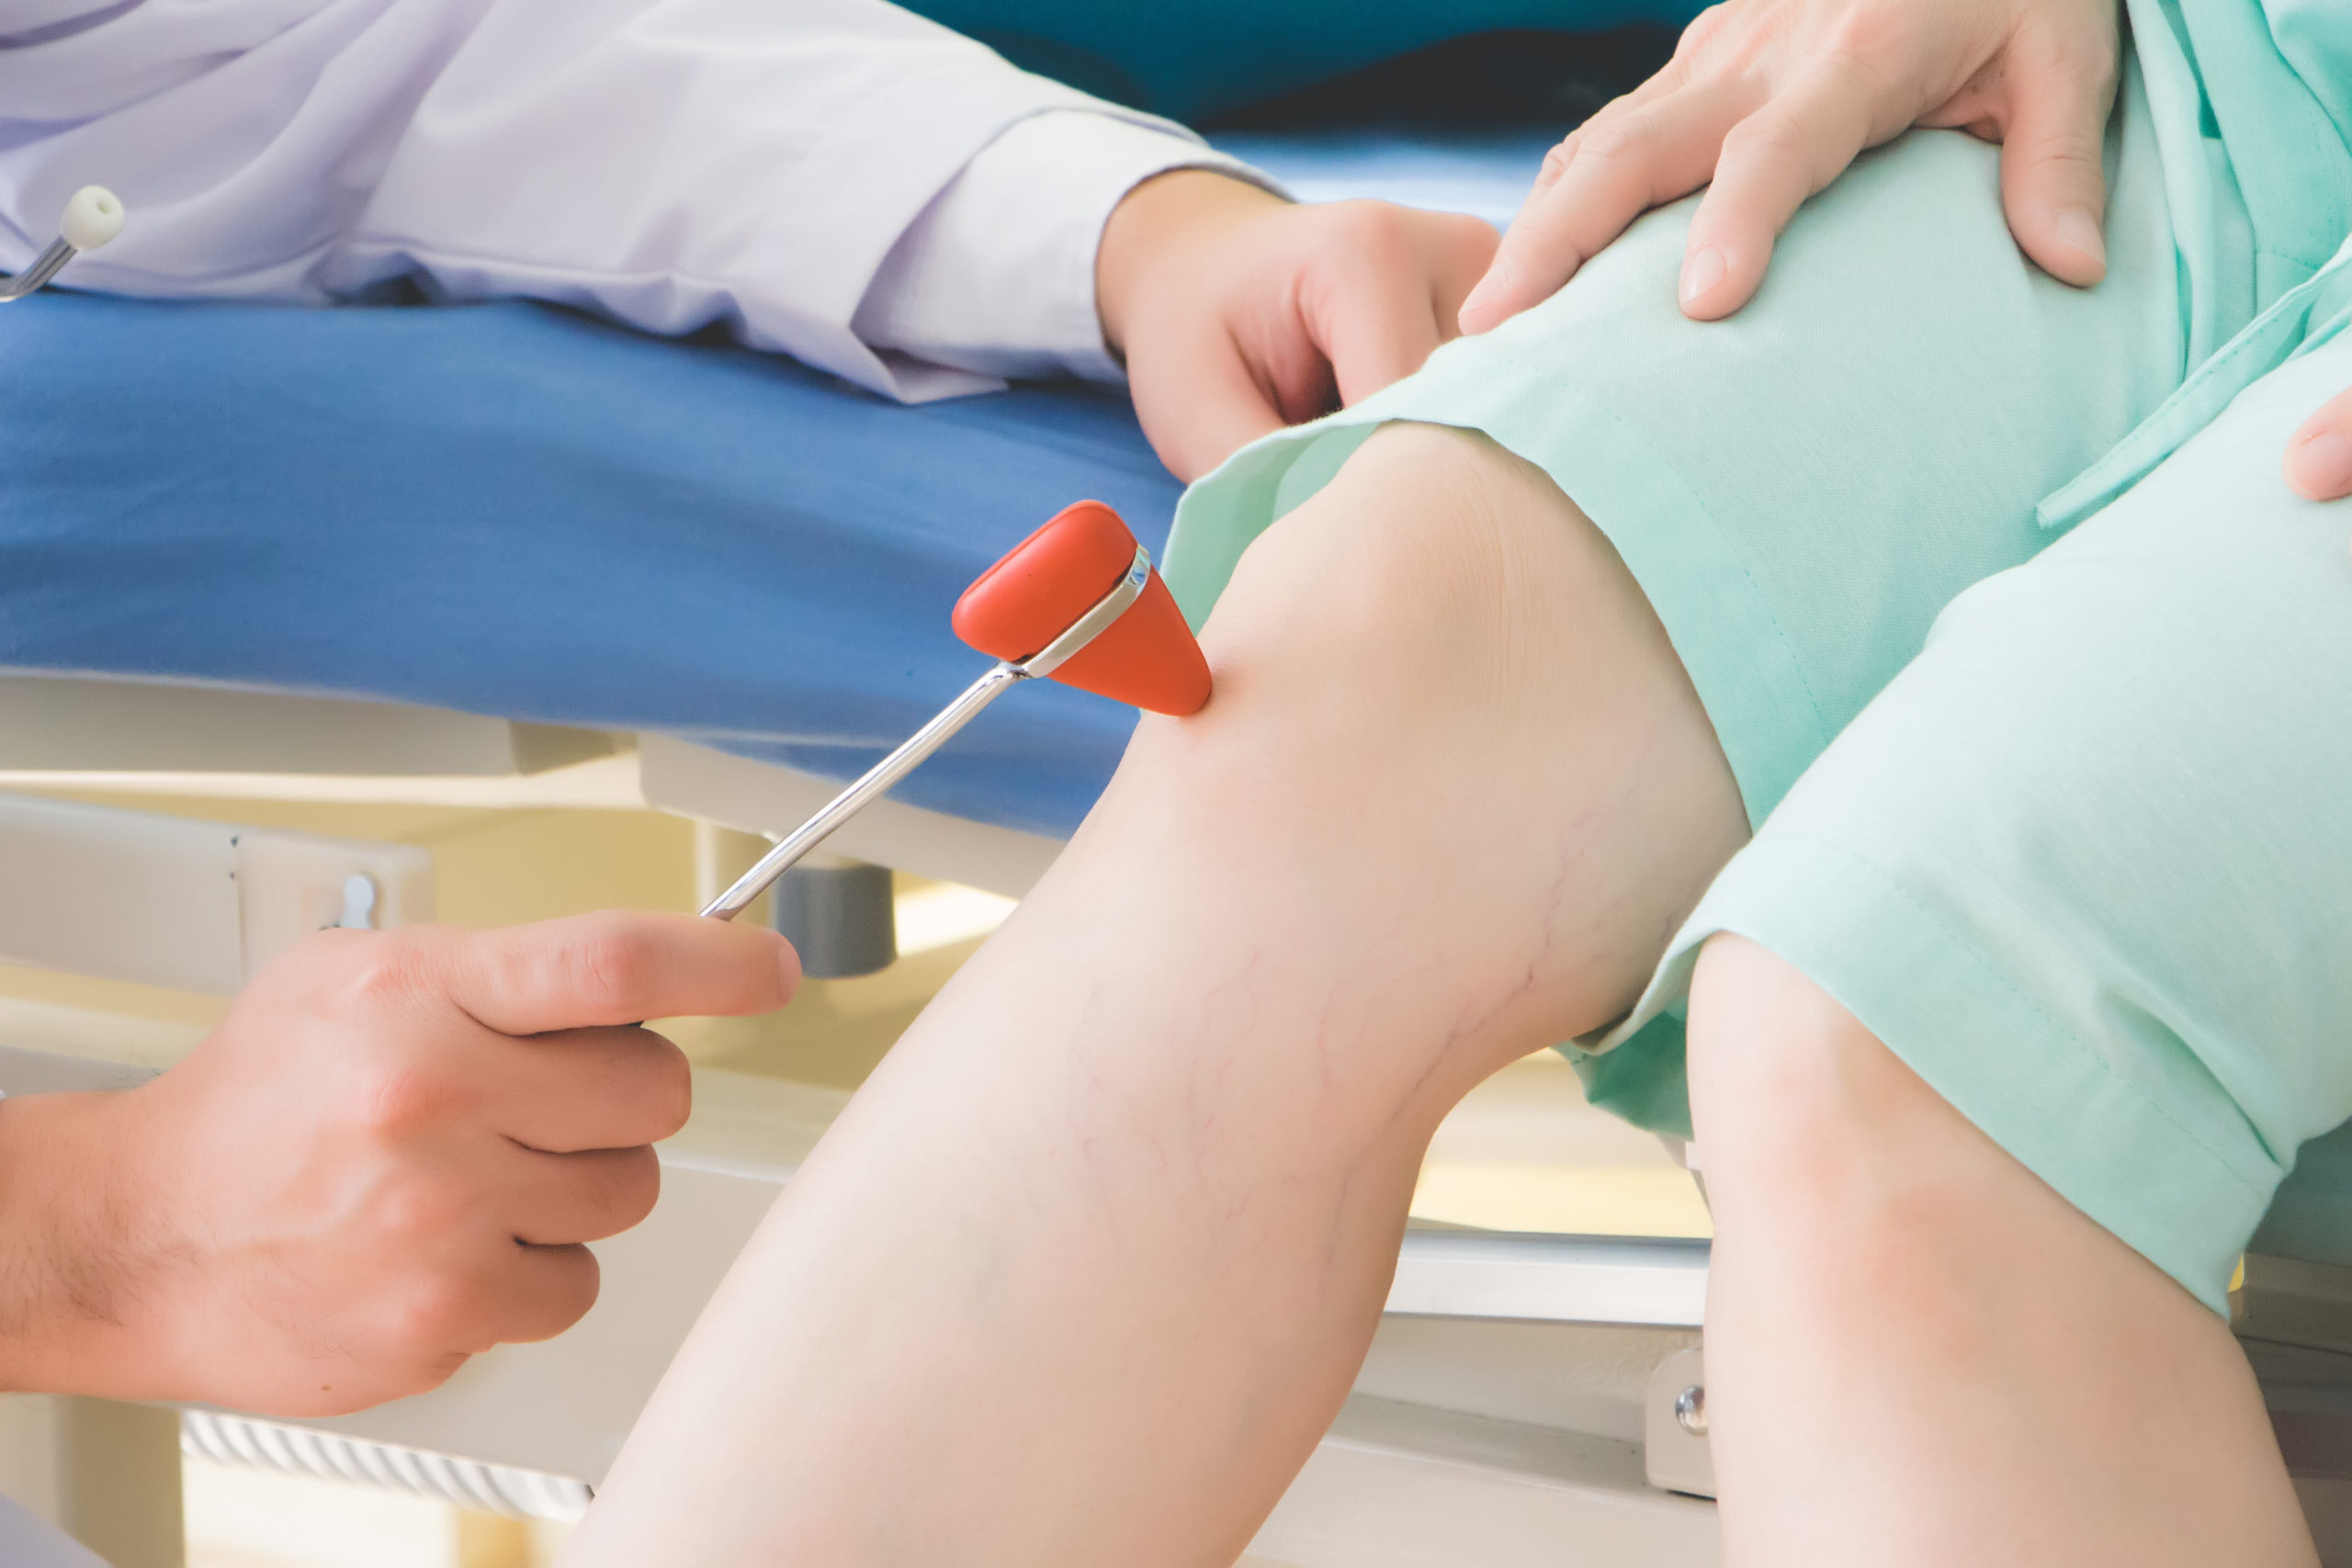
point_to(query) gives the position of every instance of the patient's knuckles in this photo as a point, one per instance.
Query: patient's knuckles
(1773, 137)
(1706, 32)
(1556, 161)
(2074, 49)
(1752, 42)
(1629, 139)
(1868, 44)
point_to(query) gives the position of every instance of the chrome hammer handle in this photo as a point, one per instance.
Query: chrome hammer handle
(1007, 674)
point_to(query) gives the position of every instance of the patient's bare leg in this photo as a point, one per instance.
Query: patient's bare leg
(1919, 1356)
(1086, 1269)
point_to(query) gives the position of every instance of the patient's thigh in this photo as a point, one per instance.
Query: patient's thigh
(1797, 490)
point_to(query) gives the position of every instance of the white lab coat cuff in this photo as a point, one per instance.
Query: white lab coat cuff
(996, 278)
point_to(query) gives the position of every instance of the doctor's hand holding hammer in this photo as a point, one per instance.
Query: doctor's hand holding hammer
(387, 1159)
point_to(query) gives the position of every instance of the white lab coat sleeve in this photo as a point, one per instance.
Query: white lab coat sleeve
(997, 275)
(669, 163)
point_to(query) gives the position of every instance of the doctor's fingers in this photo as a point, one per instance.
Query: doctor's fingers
(1379, 307)
(548, 1289)
(2319, 455)
(505, 1292)
(580, 1089)
(1634, 155)
(546, 1200)
(1201, 396)
(616, 967)
(484, 1246)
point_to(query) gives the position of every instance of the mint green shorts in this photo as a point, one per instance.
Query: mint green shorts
(2059, 805)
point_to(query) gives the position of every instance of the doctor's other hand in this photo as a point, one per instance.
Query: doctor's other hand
(1766, 101)
(2319, 455)
(1238, 312)
(383, 1161)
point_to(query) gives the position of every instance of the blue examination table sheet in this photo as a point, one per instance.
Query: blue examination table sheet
(517, 511)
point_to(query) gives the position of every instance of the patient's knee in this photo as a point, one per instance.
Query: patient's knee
(1814, 1131)
(1444, 708)
(1412, 573)
(1789, 1088)
(1840, 1182)
(1440, 598)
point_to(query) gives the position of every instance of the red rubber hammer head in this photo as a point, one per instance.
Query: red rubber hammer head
(1037, 591)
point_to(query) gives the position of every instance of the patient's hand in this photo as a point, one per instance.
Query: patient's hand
(1770, 99)
(2319, 455)
(382, 1162)
(1238, 312)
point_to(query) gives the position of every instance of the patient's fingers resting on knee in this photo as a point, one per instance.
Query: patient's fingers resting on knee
(2319, 456)
(1770, 101)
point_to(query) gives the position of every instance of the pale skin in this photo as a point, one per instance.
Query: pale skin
(1090, 1262)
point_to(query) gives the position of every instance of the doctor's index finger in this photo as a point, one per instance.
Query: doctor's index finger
(617, 967)
(1389, 297)
(1200, 400)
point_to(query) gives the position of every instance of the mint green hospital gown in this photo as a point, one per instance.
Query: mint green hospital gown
(2036, 678)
